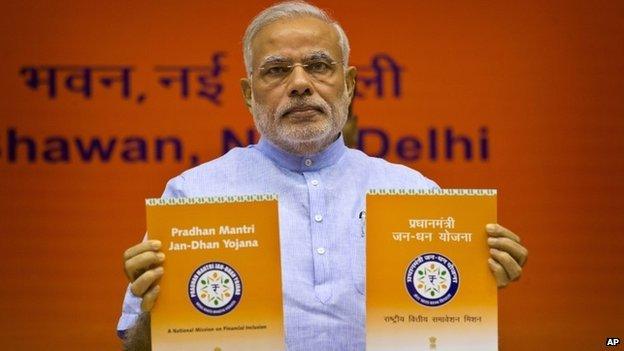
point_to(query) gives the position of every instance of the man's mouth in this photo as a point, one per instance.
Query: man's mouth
(302, 111)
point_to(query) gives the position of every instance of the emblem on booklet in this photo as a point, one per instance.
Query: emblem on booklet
(432, 279)
(215, 288)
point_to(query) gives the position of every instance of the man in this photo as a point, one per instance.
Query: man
(298, 88)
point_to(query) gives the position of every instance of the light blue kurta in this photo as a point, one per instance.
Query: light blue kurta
(321, 200)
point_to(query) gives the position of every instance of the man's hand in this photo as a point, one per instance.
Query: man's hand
(143, 266)
(508, 256)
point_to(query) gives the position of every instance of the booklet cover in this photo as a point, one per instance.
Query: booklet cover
(429, 286)
(222, 284)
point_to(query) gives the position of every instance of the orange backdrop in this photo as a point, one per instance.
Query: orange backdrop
(534, 87)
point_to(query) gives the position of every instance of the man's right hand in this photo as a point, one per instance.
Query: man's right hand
(143, 266)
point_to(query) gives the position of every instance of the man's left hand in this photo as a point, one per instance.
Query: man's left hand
(507, 255)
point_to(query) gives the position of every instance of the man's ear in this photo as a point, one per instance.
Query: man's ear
(246, 90)
(350, 77)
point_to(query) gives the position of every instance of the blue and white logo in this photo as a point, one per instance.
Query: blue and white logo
(215, 288)
(432, 279)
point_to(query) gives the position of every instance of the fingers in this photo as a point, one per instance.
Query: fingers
(149, 245)
(513, 248)
(499, 273)
(150, 298)
(142, 264)
(142, 257)
(508, 256)
(511, 267)
(497, 230)
(138, 264)
(145, 281)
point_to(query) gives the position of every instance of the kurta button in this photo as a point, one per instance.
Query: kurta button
(320, 250)
(318, 218)
(307, 162)
(314, 182)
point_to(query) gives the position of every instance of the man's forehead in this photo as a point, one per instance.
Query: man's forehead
(296, 38)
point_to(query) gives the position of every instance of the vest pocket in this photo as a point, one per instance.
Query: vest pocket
(358, 261)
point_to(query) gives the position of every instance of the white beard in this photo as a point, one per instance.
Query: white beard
(307, 140)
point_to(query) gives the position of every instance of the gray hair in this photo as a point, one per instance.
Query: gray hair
(289, 10)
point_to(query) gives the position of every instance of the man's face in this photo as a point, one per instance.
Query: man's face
(300, 109)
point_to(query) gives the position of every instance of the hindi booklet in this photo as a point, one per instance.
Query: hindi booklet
(428, 283)
(222, 284)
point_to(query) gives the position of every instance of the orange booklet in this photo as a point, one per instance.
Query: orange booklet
(222, 284)
(429, 286)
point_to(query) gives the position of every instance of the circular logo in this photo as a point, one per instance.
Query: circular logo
(215, 288)
(432, 279)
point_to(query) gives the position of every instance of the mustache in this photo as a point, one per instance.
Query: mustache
(301, 104)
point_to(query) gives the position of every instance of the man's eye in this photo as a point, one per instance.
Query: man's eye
(318, 67)
(276, 70)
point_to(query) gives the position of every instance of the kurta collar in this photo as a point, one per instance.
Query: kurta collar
(310, 163)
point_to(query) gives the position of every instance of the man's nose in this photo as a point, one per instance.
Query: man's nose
(299, 83)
